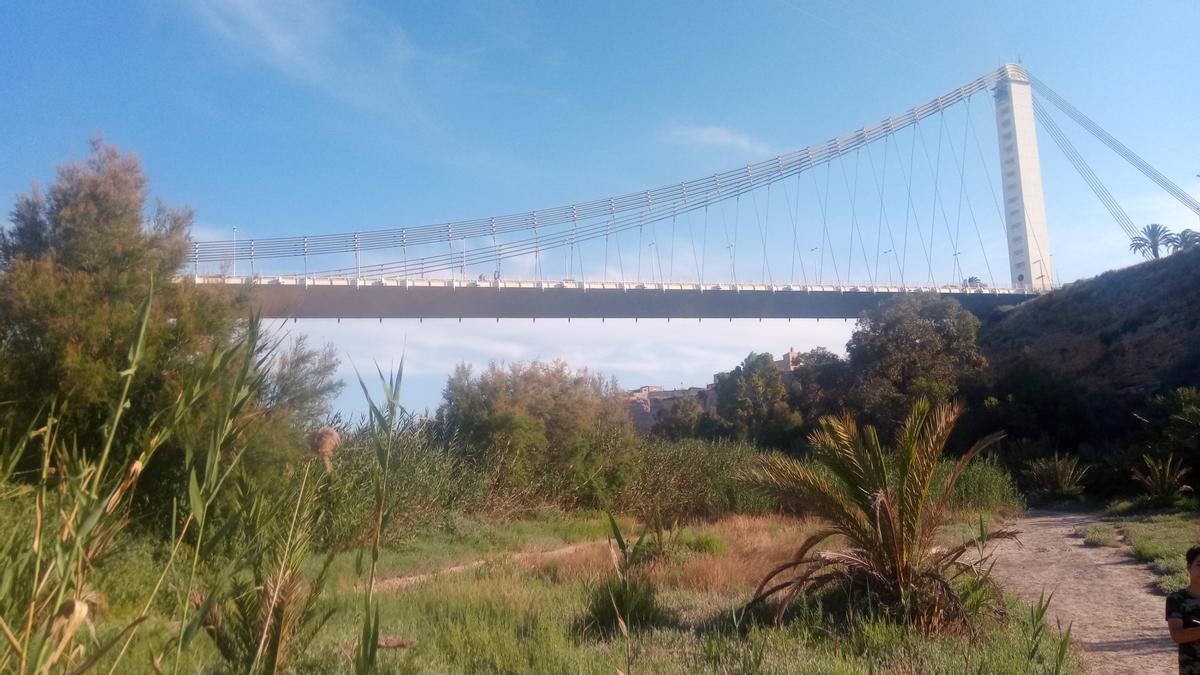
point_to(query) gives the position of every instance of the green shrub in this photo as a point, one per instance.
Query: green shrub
(1145, 504)
(616, 606)
(1054, 478)
(84, 497)
(428, 482)
(626, 601)
(884, 503)
(677, 481)
(1162, 479)
(272, 611)
(129, 573)
(553, 435)
(984, 486)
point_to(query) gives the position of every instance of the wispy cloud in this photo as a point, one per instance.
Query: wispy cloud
(345, 49)
(717, 138)
(678, 353)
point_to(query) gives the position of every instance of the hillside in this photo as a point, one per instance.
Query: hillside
(1129, 332)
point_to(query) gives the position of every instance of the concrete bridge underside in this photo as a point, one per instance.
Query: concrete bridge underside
(575, 300)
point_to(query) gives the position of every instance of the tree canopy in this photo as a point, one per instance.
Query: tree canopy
(76, 265)
(538, 420)
(753, 399)
(913, 346)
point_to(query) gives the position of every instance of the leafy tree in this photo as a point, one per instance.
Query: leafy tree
(303, 381)
(820, 382)
(543, 425)
(1153, 240)
(913, 346)
(1173, 423)
(713, 427)
(77, 264)
(680, 420)
(752, 398)
(1028, 401)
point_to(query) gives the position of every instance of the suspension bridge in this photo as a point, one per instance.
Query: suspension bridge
(907, 205)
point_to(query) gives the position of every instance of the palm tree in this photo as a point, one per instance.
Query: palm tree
(1154, 239)
(887, 507)
(1187, 239)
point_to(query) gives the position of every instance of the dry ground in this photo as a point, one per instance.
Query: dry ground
(1108, 598)
(755, 544)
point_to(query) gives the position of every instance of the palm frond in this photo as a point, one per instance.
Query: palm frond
(886, 505)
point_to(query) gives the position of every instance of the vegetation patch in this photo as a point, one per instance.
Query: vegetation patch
(886, 505)
(1099, 534)
(1161, 540)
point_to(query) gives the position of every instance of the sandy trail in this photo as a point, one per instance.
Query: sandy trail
(1107, 597)
(399, 583)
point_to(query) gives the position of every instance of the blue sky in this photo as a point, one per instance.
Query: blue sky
(302, 118)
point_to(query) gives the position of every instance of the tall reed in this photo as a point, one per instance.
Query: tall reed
(388, 423)
(81, 501)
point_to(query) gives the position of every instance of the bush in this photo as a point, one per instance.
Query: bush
(84, 497)
(1054, 478)
(1162, 480)
(701, 542)
(885, 505)
(552, 434)
(626, 601)
(428, 480)
(676, 481)
(128, 574)
(984, 486)
(1099, 534)
(273, 610)
(615, 601)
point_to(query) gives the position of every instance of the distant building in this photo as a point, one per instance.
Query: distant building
(648, 404)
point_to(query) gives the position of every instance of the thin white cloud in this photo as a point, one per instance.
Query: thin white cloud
(717, 138)
(345, 49)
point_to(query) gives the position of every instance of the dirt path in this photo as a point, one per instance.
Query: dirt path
(1107, 597)
(402, 582)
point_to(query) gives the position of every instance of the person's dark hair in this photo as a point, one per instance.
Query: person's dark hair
(1192, 554)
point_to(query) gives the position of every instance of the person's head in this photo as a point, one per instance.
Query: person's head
(1193, 564)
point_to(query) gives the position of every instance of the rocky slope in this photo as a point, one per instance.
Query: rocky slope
(1129, 332)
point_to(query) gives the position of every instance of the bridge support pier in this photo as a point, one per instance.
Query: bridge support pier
(1021, 175)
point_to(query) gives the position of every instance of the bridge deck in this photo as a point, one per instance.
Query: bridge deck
(349, 298)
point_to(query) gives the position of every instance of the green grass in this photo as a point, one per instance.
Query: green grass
(701, 542)
(504, 620)
(1161, 541)
(463, 539)
(503, 617)
(1158, 537)
(1099, 534)
(1147, 505)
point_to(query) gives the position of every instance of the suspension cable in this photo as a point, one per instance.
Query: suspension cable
(1115, 145)
(1085, 171)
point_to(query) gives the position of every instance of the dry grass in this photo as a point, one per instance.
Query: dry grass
(755, 544)
(580, 562)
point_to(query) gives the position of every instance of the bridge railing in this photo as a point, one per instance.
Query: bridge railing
(575, 284)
